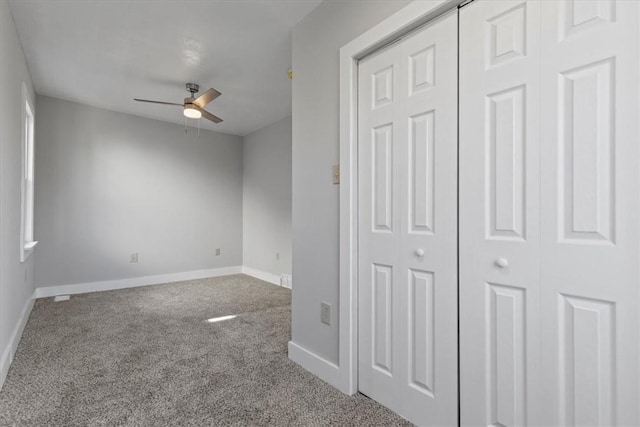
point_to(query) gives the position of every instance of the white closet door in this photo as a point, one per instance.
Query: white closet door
(590, 215)
(499, 213)
(407, 225)
(549, 217)
(379, 228)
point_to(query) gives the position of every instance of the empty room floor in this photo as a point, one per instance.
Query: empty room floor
(149, 356)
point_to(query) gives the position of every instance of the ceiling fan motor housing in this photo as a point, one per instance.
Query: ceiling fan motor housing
(193, 88)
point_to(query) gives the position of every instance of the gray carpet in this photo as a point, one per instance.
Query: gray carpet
(148, 357)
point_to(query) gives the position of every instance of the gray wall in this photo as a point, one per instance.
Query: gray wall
(111, 184)
(267, 198)
(316, 44)
(16, 279)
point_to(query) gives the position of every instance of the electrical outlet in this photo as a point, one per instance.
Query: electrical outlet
(325, 313)
(217, 251)
(133, 257)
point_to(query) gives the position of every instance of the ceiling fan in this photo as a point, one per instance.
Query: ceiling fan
(193, 107)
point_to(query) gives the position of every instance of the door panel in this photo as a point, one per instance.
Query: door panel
(421, 172)
(506, 193)
(507, 345)
(407, 225)
(381, 172)
(586, 361)
(421, 332)
(381, 333)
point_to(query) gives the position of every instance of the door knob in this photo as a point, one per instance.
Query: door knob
(502, 262)
(420, 252)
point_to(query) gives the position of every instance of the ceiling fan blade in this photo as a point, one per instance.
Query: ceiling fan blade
(157, 102)
(208, 115)
(206, 97)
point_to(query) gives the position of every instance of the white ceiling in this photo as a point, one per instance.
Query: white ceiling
(106, 52)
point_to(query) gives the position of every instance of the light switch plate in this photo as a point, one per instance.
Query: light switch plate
(335, 173)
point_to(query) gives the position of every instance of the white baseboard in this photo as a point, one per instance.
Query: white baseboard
(318, 366)
(133, 282)
(14, 340)
(262, 275)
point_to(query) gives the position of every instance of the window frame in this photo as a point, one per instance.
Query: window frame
(27, 177)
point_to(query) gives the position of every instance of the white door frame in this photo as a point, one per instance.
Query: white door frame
(404, 21)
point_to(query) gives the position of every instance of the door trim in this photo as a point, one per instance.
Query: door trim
(391, 29)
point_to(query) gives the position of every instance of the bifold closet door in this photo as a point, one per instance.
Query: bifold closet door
(590, 217)
(499, 212)
(549, 213)
(407, 285)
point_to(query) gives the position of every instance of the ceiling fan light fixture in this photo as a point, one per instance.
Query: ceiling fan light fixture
(191, 112)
